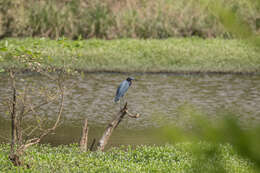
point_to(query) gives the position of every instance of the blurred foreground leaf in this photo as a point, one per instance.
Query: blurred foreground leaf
(232, 22)
(225, 130)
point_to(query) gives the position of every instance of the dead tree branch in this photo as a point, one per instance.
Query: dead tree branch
(20, 117)
(84, 137)
(92, 145)
(132, 115)
(111, 126)
(13, 111)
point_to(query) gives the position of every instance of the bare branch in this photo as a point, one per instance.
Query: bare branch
(13, 111)
(21, 105)
(32, 130)
(34, 141)
(131, 115)
(109, 130)
(92, 145)
(84, 137)
(33, 108)
(111, 126)
(20, 116)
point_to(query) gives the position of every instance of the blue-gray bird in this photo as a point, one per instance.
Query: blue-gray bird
(122, 88)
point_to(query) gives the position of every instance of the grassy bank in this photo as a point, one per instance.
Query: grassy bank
(120, 19)
(131, 55)
(178, 158)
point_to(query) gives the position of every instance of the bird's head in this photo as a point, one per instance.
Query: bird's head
(129, 79)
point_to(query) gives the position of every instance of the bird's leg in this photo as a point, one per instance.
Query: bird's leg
(122, 103)
(123, 100)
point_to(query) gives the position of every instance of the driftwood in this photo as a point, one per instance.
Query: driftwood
(111, 126)
(84, 137)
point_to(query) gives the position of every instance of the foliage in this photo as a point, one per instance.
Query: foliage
(20, 104)
(128, 55)
(18, 56)
(228, 15)
(168, 158)
(226, 129)
(111, 19)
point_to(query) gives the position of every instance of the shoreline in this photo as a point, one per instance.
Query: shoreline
(176, 73)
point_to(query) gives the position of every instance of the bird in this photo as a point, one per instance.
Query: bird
(122, 89)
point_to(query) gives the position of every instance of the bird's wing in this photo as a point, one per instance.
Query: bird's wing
(118, 89)
(123, 88)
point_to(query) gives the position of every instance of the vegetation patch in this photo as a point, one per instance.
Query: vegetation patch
(122, 19)
(131, 55)
(181, 157)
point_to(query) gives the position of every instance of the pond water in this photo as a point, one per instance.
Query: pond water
(152, 95)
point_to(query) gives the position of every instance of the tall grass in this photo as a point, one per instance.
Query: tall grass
(111, 19)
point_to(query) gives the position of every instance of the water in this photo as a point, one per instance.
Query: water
(152, 95)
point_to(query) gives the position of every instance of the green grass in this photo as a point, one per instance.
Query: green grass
(168, 158)
(132, 55)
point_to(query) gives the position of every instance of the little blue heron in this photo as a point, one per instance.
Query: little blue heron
(122, 88)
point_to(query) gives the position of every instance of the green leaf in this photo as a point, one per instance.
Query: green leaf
(4, 49)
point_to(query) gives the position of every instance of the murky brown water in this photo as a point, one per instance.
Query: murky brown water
(92, 96)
